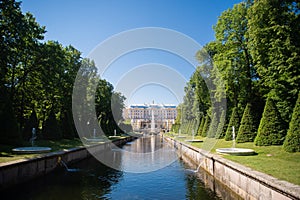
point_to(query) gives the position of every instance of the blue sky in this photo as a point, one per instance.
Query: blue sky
(86, 23)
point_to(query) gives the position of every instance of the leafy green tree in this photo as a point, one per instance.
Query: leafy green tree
(51, 129)
(234, 122)
(247, 130)
(271, 130)
(274, 43)
(232, 57)
(206, 126)
(292, 140)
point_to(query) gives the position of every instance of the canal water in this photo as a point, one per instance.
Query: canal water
(97, 181)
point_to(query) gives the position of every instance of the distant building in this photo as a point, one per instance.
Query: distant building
(140, 116)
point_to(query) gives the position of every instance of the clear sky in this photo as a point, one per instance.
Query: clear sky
(86, 23)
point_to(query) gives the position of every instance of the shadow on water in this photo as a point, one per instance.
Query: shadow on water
(97, 181)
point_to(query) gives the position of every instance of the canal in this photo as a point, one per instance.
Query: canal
(98, 181)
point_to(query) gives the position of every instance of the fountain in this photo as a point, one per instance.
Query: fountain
(94, 138)
(235, 151)
(32, 149)
(193, 138)
(179, 134)
(60, 161)
(152, 129)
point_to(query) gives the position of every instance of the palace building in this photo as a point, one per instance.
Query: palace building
(140, 115)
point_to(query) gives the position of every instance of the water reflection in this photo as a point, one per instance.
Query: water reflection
(97, 181)
(146, 154)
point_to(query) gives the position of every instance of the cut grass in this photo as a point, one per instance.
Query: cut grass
(272, 160)
(6, 154)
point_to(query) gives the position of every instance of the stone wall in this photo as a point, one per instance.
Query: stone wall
(247, 183)
(23, 170)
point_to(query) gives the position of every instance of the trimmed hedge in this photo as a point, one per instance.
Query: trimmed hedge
(51, 129)
(205, 126)
(32, 122)
(292, 140)
(199, 132)
(9, 127)
(271, 128)
(234, 121)
(220, 130)
(213, 127)
(247, 131)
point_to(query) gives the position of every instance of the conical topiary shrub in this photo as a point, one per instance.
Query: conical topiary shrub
(32, 122)
(199, 132)
(9, 127)
(247, 130)
(213, 126)
(67, 125)
(220, 130)
(51, 129)
(234, 121)
(205, 126)
(271, 128)
(292, 140)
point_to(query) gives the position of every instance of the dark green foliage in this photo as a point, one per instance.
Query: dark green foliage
(51, 129)
(201, 124)
(67, 126)
(32, 122)
(213, 127)
(205, 126)
(247, 131)
(175, 128)
(221, 126)
(292, 140)
(273, 32)
(9, 128)
(271, 130)
(234, 121)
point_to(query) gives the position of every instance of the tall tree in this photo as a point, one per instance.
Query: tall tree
(274, 43)
(232, 57)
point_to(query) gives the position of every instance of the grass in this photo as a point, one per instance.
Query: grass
(7, 155)
(272, 160)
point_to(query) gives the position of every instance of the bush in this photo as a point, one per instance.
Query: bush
(199, 131)
(32, 122)
(9, 127)
(205, 126)
(67, 125)
(213, 127)
(271, 128)
(247, 131)
(175, 128)
(220, 130)
(51, 129)
(234, 121)
(292, 140)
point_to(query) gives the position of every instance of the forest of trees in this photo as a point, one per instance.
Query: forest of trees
(36, 82)
(256, 52)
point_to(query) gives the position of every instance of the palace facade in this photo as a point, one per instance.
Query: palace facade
(140, 116)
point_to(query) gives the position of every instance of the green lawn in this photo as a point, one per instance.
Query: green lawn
(6, 155)
(272, 160)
